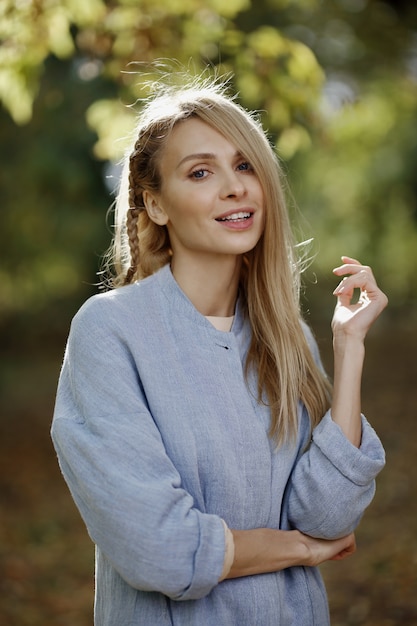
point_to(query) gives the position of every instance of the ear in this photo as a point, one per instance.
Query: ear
(154, 209)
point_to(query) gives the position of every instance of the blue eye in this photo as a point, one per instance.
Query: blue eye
(245, 166)
(198, 173)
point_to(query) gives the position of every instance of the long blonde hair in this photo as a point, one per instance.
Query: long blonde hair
(270, 280)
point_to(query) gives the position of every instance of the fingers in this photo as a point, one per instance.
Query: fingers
(347, 550)
(351, 266)
(322, 550)
(361, 278)
(356, 276)
(348, 259)
(352, 315)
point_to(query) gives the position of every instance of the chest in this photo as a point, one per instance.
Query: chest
(214, 430)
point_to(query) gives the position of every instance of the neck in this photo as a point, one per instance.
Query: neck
(210, 284)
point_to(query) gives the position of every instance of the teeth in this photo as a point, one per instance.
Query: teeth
(235, 216)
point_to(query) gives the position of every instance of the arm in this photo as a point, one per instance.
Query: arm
(265, 550)
(114, 460)
(350, 325)
(333, 481)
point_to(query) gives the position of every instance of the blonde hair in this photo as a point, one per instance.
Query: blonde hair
(270, 281)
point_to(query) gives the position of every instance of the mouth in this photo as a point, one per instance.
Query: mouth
(238, 216)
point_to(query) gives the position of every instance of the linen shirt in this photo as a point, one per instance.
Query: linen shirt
(160, 438)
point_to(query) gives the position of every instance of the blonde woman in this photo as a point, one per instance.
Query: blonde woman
(195, 427)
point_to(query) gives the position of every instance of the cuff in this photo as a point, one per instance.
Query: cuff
(360, 465)
(229, 554)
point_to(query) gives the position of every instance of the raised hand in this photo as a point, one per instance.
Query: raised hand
(356, 318)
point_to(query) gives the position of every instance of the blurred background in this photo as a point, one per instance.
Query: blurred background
(335, 82)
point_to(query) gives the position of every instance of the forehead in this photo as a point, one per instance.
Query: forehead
(193, 136)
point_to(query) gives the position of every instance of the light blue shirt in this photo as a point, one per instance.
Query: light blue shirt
(160, 438)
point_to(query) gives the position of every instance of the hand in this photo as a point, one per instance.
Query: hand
(355, 319)
(322, 550)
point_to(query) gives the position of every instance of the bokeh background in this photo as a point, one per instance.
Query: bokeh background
(335, 82)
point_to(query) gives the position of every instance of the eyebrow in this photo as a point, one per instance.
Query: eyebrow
(202, 156)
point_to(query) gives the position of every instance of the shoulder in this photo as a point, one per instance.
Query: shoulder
(311, 341)
(122, 306)
(308, 333)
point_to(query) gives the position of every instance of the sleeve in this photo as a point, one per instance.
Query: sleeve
(229, 553)
(127, 490)
(333, 481)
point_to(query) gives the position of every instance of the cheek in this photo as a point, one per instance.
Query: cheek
(192, 208)
(183, 213)
(260, 192)
(183, 218)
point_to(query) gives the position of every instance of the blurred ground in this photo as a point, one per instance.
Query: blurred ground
(46, 558)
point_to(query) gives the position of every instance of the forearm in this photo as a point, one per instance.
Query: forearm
(349, 353)
(265, 550)
(350, 324)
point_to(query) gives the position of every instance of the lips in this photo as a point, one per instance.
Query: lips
(236, 216)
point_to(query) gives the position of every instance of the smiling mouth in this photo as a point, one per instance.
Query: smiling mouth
(239, 216)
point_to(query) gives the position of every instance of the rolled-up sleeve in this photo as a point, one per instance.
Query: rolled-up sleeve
(333, 481)
(113, 458)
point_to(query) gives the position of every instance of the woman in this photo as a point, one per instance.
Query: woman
(193, 421)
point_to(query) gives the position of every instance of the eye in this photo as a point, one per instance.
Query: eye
(245, 166)
(198, 174)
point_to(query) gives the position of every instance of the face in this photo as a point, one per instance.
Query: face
(210, 199)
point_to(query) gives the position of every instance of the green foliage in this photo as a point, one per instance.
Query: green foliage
(356, 187)
(30, 32)
(54, 206)
(107, 37)
(335, 82)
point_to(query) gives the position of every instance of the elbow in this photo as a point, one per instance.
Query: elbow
(161, 577)
(145, 577)
(335, 518)
(332, 528)
(174, 565)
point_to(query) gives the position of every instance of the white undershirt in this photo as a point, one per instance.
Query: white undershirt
(221, 323)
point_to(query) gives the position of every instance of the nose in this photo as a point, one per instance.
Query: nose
(232, 185)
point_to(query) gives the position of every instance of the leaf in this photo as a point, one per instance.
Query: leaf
(114, 124)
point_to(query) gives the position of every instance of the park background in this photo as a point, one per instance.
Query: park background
(335, 82)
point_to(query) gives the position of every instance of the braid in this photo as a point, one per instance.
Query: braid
(135, 206)
(148, 243)
(132, 236)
